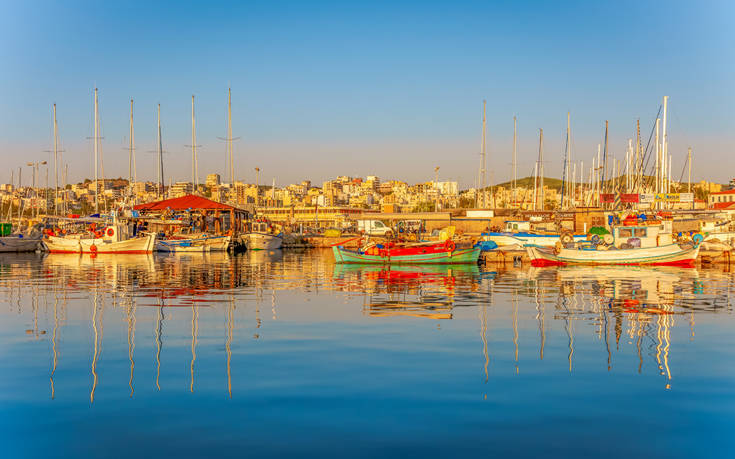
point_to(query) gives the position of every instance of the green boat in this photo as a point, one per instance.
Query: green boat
(469, 255)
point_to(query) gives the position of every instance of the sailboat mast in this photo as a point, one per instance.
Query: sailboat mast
(535, 184)
(194, 175)
(604, 159)
(515, 153)
(565, 173)
(56, 164)
(541, 165)
(664, 149)
(160, 156)
(483, 175)
(131, 150)
(229, 136)
(658, 158)
(96, 136)
(689, 161)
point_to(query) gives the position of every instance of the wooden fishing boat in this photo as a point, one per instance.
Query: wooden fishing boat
(262, 238)
(666, 255)
(20, 243)
(441, 253)
(112, 239)
(193, 243)
(519, 233)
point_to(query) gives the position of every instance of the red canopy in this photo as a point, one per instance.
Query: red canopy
(190, 201)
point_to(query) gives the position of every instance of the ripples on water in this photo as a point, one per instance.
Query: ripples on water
(289, 354)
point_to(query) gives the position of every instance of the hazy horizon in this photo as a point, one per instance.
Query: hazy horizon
(325, 89)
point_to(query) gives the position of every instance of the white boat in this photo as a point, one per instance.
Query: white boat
(519, 233)
(655, 248)
(263, 241)
(260, 238)
(672, 254)
(115, 238)
(20, 243)
(194, 243)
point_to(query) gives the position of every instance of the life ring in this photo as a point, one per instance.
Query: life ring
(93, 248)
(110, 232)
(566, 237)
(698, 238)
(449, 245)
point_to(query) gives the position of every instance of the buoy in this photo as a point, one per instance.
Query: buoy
(93, 248)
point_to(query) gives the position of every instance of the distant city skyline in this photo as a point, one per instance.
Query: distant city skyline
(322, 89)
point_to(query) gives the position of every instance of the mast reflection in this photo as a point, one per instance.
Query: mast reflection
(625, 311)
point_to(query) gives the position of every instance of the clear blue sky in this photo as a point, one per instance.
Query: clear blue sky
(389, 88)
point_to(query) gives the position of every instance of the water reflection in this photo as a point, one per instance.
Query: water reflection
(214, 302)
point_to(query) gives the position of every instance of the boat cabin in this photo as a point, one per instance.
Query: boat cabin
(648, 235)
(260, 227)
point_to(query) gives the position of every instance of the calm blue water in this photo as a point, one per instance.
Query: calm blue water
(288, 354)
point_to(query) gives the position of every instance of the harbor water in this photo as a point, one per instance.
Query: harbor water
(287, 354)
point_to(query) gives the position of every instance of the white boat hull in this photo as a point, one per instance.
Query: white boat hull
(522, 240)
(194, 245)
(19, 244)
(670, 254)
(142, 244)
(262, 241)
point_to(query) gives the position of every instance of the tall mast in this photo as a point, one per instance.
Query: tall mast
(664, 149)
(132, 145)
(160, 155)
(638, 158)
(535, 184)
(658, 158)
(194, 171)
(689, 161)
(131, 152)
(56, 164)
(570, 185)
(229, 136)
(515, 164)
(483, 174)
(96, 153)
(565, 173)
(541, 164)
(604, 158)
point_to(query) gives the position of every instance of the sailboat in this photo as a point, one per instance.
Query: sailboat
(114, 237)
